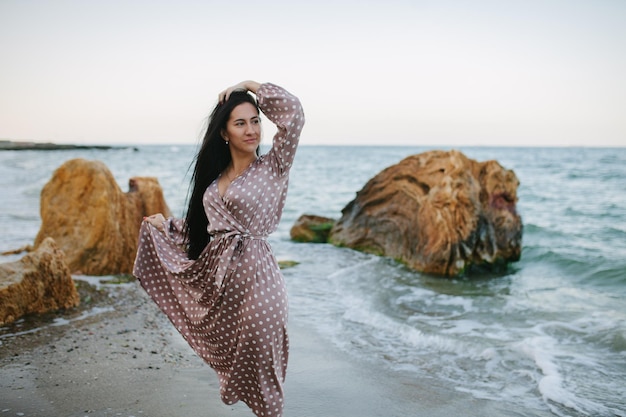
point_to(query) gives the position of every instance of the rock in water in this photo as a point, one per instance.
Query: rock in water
(311, 228)
(437, 212)
(92, 220)
(37, 283)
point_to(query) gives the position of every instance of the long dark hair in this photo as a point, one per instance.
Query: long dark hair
(212, 158)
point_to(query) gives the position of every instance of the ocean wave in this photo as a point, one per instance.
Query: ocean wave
(615, 231)
(552, 382)
(561, 261)
(607, 276)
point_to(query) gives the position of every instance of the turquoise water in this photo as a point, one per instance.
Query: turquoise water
(547, 334)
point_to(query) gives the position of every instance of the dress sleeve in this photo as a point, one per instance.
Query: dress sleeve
(285, 111)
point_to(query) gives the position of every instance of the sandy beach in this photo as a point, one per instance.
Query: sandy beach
(117, 355)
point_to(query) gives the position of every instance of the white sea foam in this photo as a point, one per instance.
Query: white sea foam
(543, 350)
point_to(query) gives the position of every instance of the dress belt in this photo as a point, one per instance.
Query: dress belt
(240, 235)
(231, 255)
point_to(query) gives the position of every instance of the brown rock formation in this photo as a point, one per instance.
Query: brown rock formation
(438, 212)
(92, 220)
(310, 228)
(37, 283)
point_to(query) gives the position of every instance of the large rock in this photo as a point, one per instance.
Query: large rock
(437, 212)
(37, 283)
(92, 220)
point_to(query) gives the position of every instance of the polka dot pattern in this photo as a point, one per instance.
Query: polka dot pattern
(230, 304)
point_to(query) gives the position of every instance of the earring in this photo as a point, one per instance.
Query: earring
(226, 143)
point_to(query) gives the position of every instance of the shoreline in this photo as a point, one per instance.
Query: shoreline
(9, 145)
(127, 360)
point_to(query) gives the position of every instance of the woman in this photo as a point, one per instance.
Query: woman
(213, 273)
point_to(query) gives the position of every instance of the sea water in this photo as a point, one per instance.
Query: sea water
(547, 334)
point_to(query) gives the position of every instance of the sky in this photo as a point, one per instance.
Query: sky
(418, 72)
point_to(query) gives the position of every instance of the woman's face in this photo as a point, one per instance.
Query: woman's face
(243, 129)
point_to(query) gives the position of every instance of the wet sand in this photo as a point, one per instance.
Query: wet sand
(127, 360)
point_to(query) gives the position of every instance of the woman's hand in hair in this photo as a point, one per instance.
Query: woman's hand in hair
(248, 85)
(156, 220)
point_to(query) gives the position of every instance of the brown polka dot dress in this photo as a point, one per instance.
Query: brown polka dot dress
(231, 304)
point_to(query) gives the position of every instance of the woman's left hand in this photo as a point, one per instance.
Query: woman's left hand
(156, 220)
